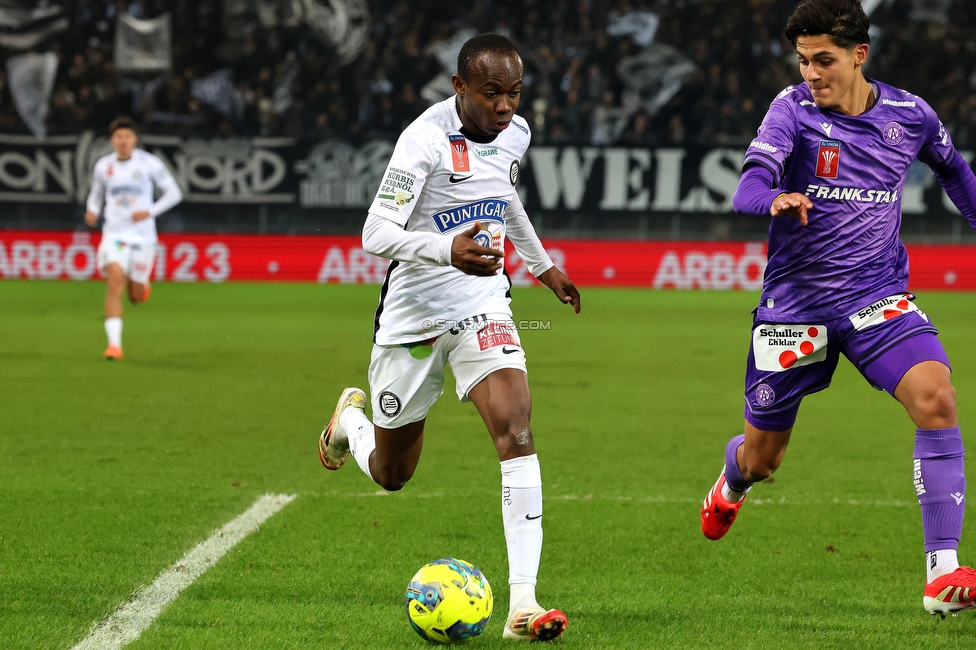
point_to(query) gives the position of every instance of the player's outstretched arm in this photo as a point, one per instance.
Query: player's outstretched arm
(562, 286)
(959, 183)
(472, 258)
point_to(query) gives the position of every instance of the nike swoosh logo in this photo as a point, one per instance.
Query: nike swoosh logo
(507, 351)
(458, 179)
(531, 518)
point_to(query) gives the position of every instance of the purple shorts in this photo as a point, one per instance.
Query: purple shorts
(790, 360)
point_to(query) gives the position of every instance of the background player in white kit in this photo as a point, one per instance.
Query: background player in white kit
(442, 212)
(124, 182)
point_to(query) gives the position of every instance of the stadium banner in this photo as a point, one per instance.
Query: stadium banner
(341, 174)
(25, 24)
(31, 78)
(143, 45)
(53, 255)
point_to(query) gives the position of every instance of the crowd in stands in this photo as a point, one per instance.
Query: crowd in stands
(287, 80)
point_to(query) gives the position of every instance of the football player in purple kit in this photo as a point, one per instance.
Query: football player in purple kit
(829, 165)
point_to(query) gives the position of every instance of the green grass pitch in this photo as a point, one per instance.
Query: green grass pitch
(110, 472)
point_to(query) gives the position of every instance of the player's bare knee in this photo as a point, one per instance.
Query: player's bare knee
(391, 481)
(516, 439)
(520, 435)
(391, 478)
(391, 484)
(938, 404)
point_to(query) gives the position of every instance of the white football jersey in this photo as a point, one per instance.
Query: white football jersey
(439, 181)
(125, 187)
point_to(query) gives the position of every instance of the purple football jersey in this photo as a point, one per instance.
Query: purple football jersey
(853, 169)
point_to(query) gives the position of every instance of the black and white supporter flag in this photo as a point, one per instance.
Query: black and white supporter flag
(143, 45)
(31, 78)
(26, 23)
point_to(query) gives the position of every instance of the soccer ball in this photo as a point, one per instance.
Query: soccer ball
(448, 600)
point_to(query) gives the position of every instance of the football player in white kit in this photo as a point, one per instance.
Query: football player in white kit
(442, 212)
(123, 182)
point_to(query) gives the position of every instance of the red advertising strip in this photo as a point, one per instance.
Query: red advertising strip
(661, 265)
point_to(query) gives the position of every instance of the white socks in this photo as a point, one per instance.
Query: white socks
(362, 439)
(939, 563)
(521, 507)
(113, 330)
(522, 517)
(733, 496)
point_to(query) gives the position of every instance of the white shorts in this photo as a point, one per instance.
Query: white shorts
(404, 382)
(135, 258)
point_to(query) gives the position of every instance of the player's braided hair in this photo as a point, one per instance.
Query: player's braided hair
(844, 21)
(482, 44)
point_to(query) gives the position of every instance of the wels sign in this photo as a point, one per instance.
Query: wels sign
(54, 255)
(693, 179)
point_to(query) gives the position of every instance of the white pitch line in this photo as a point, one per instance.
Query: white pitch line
(131, 618)
(667, 500)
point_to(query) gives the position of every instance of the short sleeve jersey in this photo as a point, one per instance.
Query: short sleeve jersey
(441, 181)
(853, 168)
(126, 186)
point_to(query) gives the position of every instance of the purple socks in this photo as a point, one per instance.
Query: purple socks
(940, 484)
(733, 477)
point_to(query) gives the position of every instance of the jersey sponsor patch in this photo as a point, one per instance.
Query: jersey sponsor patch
(885, 310)
(397, 186)
(859, 194)
(828, 159)
(781, 347)
(494, 334)
(483, 238)
(892, 102)
(762, 146)
(483, 210)
(459, 150)
(488, 239)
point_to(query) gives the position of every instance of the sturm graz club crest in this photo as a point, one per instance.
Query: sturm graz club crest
(389, 403)
(513, 172)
